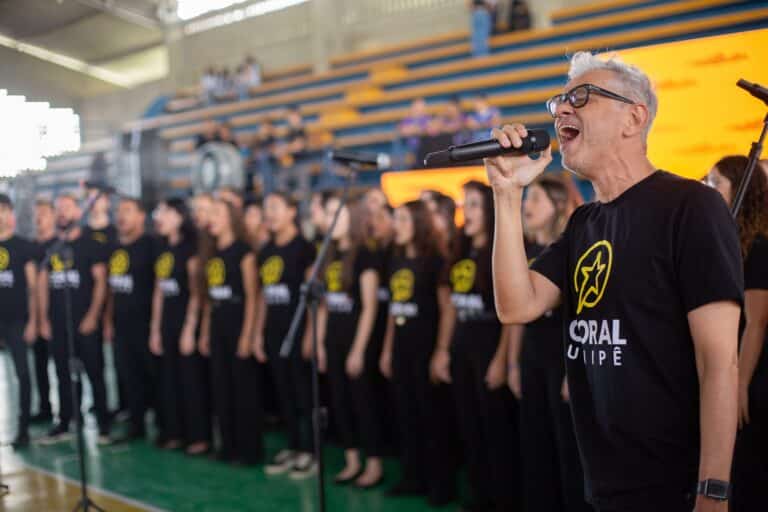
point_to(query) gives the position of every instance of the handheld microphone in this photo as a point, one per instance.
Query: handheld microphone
(380, 161)
(756, 90)
(536, 141)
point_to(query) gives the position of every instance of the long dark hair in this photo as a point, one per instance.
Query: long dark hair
(425, 240)
(358, 237)
(753, 216)
(187, 230)
(558, 194)
(463, 242)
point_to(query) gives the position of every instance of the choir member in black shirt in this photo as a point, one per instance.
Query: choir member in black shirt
(416, 357)
(184, 393)
(255, 227)
(45, 234)
(284, 264)
(18, 309)
(486, 411)
(351, 282)
(84, 272)
(750, 473)
(131, 280)
(553, 479)
(227, 331)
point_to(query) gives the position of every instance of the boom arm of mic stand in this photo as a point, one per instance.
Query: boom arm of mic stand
(312, 288)
(754, 157)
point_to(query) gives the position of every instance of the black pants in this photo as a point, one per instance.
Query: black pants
(89, 350)
(661, 499)
(137, 367)
(356, 402)
(488, 422)
(13, 334)
(553, 478)
(293, 382)
(750, 470)
(184, 389)
(40, 350)
(424, 417)
(236, 399)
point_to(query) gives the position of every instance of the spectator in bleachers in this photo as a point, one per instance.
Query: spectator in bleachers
(485, 116)
(207, 86)
(262, 154)
(252, 71)
(512, 15)
(482, 23)
(409, 133)
(225, 85)
(295, 141)
(454, 122)
(216, 132)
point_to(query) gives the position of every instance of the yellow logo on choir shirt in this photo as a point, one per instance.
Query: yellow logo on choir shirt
(119, 263)
(333, 277)
(463, 275)
(590, 277)
(99, 237)
(5, 258)
(164, 265)
(401, 285)
(272, 270)
(216, 272)
(58, 265)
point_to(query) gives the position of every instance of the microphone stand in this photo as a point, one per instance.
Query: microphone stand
(312, 293)
(76, 366)
(754, 156)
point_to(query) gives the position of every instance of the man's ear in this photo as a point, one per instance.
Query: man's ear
(637, 120)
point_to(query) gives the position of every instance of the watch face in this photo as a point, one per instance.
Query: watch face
(715, 489)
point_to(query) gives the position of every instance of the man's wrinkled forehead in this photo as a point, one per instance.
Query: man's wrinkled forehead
(599, 77)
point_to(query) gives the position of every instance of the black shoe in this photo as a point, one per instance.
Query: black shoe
(21, 441)
(58, 433)
(441, 499)
(476, 506)
(41, 417)
(407, 488)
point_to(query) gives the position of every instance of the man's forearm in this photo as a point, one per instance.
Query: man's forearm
(98, 299)
(719, 410)
(511, 281)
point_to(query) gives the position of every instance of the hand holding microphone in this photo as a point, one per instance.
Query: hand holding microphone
(512, 172)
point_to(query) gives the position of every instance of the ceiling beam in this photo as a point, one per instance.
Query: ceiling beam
(114, 8)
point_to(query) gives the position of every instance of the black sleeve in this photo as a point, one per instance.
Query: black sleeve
(756, 266)
(552, 262)
(307, 255)
(707, 255)
(366, 260)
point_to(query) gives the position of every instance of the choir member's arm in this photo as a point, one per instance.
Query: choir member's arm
(90, 321)
(187, 340)
(109, 319)
(258, 330)
(369, 283)
(30, 330)
(43, 302)
(514, 334)
(385, 361)
(307, 350)
(756, 315)
(155, 334)
(496, 374)
(248, 269)
(440, 366)
(205, 329)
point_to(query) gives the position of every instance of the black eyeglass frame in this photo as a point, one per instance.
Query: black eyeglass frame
(570, 97)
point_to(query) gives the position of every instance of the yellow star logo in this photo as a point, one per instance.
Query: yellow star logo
(590, 277)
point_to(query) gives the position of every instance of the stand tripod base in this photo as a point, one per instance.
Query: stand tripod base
(86, 505)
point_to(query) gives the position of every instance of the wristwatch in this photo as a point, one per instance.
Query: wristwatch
(714, 489)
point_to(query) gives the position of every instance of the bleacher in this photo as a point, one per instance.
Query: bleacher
(360, 100)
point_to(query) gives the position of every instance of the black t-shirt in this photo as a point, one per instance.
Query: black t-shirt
(224, 275)
(542, 338)
(629, 271)
(73, 269)
(344, 303)
(281, 273)
(413, 297)
(471, 284)
(173, 279)
(383, 255)
(106, 238)
(131, 280)
(756, 278)
(15, 253)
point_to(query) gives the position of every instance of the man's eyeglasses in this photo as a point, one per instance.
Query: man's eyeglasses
(579, 96)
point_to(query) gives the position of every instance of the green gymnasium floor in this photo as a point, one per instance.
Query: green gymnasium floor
(137, 476)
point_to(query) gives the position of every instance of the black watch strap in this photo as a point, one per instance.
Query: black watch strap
(714, 489)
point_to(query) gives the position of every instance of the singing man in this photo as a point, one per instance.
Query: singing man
(650, 282)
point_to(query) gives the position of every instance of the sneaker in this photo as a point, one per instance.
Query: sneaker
(57, 434)
(282, 463)
(304, 466)
(21, 441)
